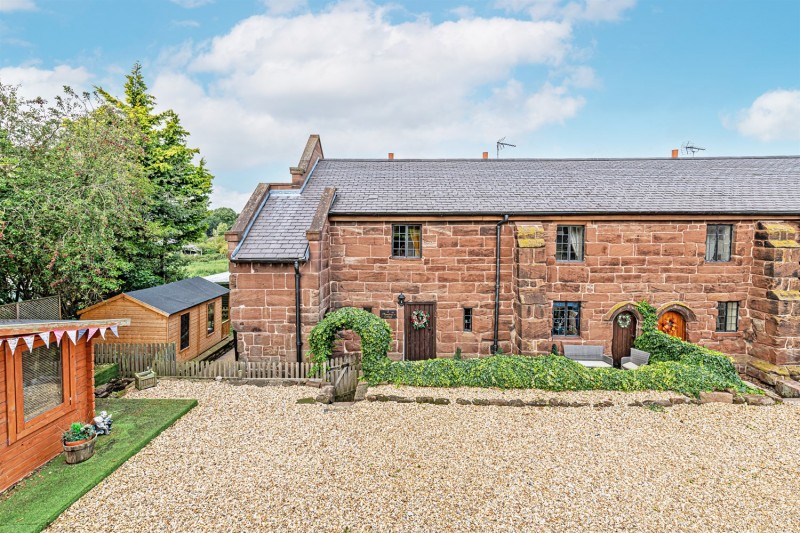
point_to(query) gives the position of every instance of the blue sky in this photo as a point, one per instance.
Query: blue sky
(251, 79)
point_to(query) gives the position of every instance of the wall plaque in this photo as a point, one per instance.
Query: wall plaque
(388, 313)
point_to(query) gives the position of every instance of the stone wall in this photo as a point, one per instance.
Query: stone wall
(457, 270)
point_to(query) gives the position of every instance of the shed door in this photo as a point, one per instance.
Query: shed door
(420, 343)
(673, 323)
(623, 336)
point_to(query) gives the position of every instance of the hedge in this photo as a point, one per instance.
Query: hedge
(675, 365)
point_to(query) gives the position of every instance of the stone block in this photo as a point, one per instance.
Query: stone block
(758, 399)
(787, 388)
(716, 397)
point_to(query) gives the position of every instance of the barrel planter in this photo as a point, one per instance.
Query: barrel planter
(78, 453)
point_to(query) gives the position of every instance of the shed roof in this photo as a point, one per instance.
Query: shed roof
(179, 295)
(764, 186)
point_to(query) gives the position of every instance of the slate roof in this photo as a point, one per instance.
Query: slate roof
(179, 295)
(561, 186)
(737, 186)
(279, 229)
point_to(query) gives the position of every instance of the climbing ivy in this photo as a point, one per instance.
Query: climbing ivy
(375, 333)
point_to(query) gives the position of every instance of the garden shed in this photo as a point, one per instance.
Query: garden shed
(188, 313)
(46, 383)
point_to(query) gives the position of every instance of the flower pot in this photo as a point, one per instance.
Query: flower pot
(79, 451)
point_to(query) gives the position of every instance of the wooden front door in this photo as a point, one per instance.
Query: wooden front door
(420, 343)
(624, 334)
(673, 323)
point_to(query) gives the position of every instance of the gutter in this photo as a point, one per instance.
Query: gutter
(499, 231)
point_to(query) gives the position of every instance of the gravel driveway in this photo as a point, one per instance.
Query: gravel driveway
(251, 459)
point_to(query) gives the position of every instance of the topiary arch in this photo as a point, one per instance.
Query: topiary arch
(375, 333)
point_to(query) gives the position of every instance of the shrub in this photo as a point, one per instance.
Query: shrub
(105, 373)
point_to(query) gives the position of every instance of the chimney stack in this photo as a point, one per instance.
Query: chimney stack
(486, 155)
(675, 153)
(391, 156)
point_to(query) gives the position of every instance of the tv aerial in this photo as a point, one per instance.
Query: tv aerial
(502, 145)
(689, 148)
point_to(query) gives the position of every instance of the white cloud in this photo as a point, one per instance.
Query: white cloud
(191, 4)
(367, 85)
(186, 23)
(593, 10)
(46, 83)
(463, 12)
(17, 5)
(773, 116)
(224, 197)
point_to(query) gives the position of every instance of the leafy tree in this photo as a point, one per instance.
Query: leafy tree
(72, 196)
(176, 215)
(220, 215)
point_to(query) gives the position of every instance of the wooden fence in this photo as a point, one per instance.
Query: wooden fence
(132, 358)
(342, 372)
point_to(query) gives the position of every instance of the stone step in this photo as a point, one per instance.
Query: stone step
(787, 388)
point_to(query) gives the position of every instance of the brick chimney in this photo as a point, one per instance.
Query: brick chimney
(311, 154)
(486, 155)
(675, 153)
(391, 156)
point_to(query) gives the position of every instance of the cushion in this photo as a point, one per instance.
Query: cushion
(630, 366)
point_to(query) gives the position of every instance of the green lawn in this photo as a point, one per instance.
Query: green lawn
(206, 268)
(38, 500)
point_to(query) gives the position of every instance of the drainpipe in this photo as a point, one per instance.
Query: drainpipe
(495, 344)
(297, 303)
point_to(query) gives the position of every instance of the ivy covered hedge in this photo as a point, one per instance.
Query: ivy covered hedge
(375, 333)
(675, 365)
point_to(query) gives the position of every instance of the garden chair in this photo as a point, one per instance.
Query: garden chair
(638, 358)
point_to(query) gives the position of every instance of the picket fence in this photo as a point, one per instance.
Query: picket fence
(133, 358)
(343, 372)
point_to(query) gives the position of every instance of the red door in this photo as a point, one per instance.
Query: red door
(420, 342)
(673, 323)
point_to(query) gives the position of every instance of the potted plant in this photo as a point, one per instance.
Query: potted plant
(78, 442)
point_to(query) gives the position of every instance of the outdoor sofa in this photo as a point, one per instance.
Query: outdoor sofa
(638, 358)
(588, 355)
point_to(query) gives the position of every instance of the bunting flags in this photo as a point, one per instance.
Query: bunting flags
(45, 336)
(58, 334)
(75, 335)
(29, 341)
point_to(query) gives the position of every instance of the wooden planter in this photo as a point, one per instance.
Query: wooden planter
(80, 452)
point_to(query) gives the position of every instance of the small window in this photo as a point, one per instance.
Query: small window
(566, 319)
(728, 316)
(210, 318)
(718, 242)
(184, 331)
(42, 380)
(225, 306)
(406, 240)
(569, 243)
(467, 319)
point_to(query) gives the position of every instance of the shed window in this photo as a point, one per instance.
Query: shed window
(406, 240)
(569, 243)
(42, 380)
(566, 319)
(718, 242)
(728, 316)
(210, 318)
(184, 331)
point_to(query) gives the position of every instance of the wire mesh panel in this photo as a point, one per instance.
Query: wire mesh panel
(42, 387)
(48, 308)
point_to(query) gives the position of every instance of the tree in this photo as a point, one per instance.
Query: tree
(220, 215)
(72, 196)
(176, 215)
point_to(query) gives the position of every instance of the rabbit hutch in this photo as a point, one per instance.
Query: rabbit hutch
(46, 383)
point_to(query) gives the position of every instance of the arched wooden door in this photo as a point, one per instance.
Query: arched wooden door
(673, 323)
(624, 335)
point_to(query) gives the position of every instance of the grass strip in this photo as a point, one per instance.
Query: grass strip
(38, 500)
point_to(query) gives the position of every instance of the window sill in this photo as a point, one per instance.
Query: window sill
(570, 262)
(556, 337)
(727, 333)
(405, 258)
